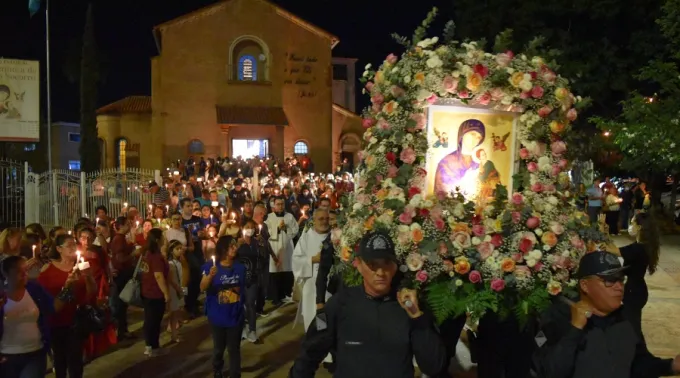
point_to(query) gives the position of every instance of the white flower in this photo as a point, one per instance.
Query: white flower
(415, 200)
(538, 232)
(459, 211)
(357, 206)
(510, 70)
(459, 283)
(381, 149)
(368, 66)
(476, 241)
(525, 85)
(409, 137)
(373, 140)
(535, 254)
(553, 200)
(407, 79)
(546, 247)
(434, 62)
(566, 253)
(544, 164)
(531, 263)
(415, 226)
(395, 69)
(548, 208)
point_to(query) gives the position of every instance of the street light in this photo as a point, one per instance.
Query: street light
(606, 133)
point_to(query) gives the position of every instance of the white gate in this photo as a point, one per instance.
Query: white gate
(60, 197)
(12, 175)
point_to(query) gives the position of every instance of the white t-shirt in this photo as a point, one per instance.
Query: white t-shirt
(21, 333)
(172, 234)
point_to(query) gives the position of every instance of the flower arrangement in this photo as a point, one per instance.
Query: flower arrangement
(510, 254)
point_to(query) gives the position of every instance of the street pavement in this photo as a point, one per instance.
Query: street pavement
(280, 341)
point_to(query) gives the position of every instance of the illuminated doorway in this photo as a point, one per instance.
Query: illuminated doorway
(247, 148)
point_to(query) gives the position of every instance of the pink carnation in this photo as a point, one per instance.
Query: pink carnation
(572, 114)
(377, 99)
(392, 171)
(367, 122)
(383, 125)
(439, 224)
(497, 240)
(450, 84)
(420, 120)
(432, 99)
(563, 163)
(524, 153)
(517, 198)
(369, 86)
(537, 92)
(556, 170)
(497, 284)
(478, 230)
(532, 167)
(421, 276)
(475, 277)
(405, 218)
(485, 250)
(391, 59)
(558, 147)
(537, 187)
(533, 222)
(484, 99)
(408, 156)
(544, 112)
(516, 217)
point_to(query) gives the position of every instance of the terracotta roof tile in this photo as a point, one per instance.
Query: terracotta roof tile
(243, 115)
(131, 104)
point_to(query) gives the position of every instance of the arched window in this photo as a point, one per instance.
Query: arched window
(196, 147)
(247, 68)
(121, 145)
(248, 59)
(300, 148)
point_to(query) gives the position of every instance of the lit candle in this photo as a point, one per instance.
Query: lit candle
(125, 203)
(96, 221)
(150, 207)
(159, 221)
(167, 208)
(241, 210)
(33, 250)
(259, 226)
(213, 258)
(184, 186)
(233, 216)
(210, 218)
(212, 233)
(69, 232)
(303, 212)
(137, 223)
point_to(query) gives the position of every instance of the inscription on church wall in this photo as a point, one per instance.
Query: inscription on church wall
(300, 71)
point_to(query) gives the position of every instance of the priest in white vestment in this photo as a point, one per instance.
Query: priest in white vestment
(306, 259)
(282, 229)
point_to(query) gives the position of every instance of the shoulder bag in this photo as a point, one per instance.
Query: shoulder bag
(132, 292)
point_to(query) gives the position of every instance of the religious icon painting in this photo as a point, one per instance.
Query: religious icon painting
(471, 150)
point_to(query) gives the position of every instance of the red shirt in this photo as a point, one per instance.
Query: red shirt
(53, 280)
(153, 263)
(140, 240)
(121, 252)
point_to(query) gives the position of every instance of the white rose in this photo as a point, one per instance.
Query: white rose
(427, 204)
(476, 241)
(538, 232)
(403, 228)
(407, 79)
(459, 283)
(381, 149)
(373, 140)
(357, 206)
(395, 69)
(368, 66)
(546, 247)
(548, 208)
(487, 238)
(510, 70)
(566, 253)
(409, 137)
(525, 85)
(531, 263)
(535, 254)
(459, 211)
(544, 164)
(434, 62)
(553, 200)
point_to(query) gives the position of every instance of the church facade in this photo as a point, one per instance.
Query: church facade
(240, 77)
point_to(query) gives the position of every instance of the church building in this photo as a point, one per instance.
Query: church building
(237, 78)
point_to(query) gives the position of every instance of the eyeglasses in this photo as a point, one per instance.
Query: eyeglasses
(612, 280)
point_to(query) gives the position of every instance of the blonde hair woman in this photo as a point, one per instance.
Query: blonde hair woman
(10, 242)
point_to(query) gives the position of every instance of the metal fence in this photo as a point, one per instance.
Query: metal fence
(60, 197)
(12, 183)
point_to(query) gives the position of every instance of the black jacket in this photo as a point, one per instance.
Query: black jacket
(372, 338)
(608, 347)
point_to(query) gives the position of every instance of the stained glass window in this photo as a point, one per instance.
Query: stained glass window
(247, 68)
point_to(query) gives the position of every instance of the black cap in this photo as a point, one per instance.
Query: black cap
(601, 264)
(152, 184)
(377, 245)
(238, 182)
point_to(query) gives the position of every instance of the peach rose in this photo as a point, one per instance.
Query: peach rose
(474, 81)
(485, 250)
(549, 238)
(461, 240)
(507, 265)
(462, 266)
(417, 235)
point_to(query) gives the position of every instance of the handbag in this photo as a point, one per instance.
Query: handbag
(132, 292)
(89, 319)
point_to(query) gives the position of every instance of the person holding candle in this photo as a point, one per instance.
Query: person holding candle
(207, 217)
(175, 252)
(154, 289)
(140, 237)
(32, 250)
(248, 256)
(73, 288)
(265, 253)
(208, 245)
(230, 224)
(124, 256)
(224, 281)
(194, 256)
(10, 242)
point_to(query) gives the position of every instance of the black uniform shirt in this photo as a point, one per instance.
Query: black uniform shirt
(372, 337)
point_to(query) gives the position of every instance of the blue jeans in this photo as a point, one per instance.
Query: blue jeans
(25, 365)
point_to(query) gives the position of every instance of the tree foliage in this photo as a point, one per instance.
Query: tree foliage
(90, 156)
(646, 130)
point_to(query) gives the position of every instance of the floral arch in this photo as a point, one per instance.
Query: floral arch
(507, 254)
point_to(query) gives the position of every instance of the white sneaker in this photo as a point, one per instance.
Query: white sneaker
(147, 350)
(252, 337)
(244, 334)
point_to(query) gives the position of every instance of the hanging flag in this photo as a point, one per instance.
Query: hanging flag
(33, 7)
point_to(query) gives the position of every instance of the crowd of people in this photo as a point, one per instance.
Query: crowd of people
(603, 198)
(247, 232)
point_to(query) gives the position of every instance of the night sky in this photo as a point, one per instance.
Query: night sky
(124, 36)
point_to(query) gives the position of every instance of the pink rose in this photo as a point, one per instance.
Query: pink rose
(503, 59)
(461, 240)
(420, 120)
(397, 91)
(517, 198)
(421, 276)
(481, 69)
(432, 99)
(549, 188)
(484, 99)
(367, 122)
(436, 212)
(497, 94)
(405, 218)
(544, 112)
(524, 95)
(478, 230)
(407, 155)
(533, 222)
(450, 84)
(547, 75)
(557, 228)
(556, 170)
(532, 166)
(524, 153)
(439, 224)
(538, 149)
(369, 86)
(537, 187)
(391, 59)
(497, 240)
(485, 250)
(376, 108)
(517, 257)
(537, 92)
(576, 242)
(538, 266)
(497, 284)
(516, 217)
(563, 163)
(464, 93)
(383, 125)
(377, 99)
(558, 147)
(475, 277)
(392, 171)
(572, 114)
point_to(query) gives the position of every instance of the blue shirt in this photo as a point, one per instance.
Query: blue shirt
(222, 307)
(594, 192)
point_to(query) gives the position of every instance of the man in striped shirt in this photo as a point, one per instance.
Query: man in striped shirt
(161, 196)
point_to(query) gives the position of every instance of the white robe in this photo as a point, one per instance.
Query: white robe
(305, 273)
(281, 241)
